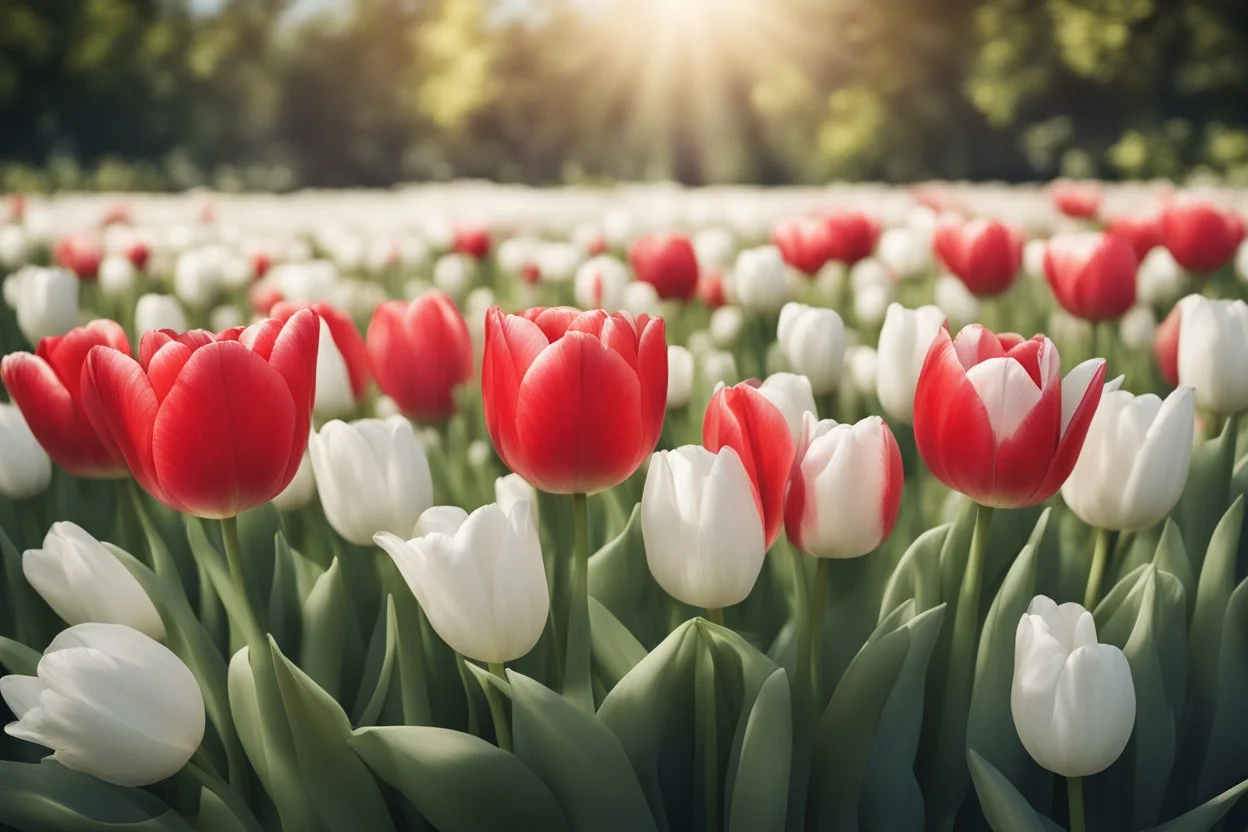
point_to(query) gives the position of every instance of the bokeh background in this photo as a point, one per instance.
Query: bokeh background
(282, 94)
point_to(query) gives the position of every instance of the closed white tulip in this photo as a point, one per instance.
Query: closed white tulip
(905, 338)
(480, 579)
(812, 341)
(1138, 328)
(679, 376)
(601, 283)
(701, 526)
(1213, 340)
(335, 397)
(956, 301)
(1133, 466)
(863, 365)
(905, 251)
(110, 702)
(440, 520)
(14, 246)
(761, 280)
(158, 312)
(512, 489)
(719, 366)
(25, 468)
(82, 582)
(1159, 279)
(301, 489)
(45, 300)
(792, 395)
(372, 476)
(727, 324)
(713, 248)
(199, 276)
(641, 298)
(453, 274)
(226, 316)
(117, 275)
(1073, 699)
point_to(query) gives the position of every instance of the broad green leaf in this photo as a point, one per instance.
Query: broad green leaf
(1227, 755)
(615, 650)
(1171, 556)
(330, 633)
(38, 797)
(758, 799)
(1005, 808)
(17, 658)
(379, 683)
(1206, 495)
(284, 599)
(215, 816)
(917, 574)
(409, 649)
(1206, 816)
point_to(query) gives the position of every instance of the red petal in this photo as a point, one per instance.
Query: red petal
(69, 351)
(293, 356)
(163, 367)
(120, 405)
(652, 373)
(260, 337)
(890, 502)
(351, 344)
(1071, 442)
(420, 352)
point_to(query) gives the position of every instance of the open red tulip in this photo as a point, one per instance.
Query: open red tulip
(1201, 237)
(668, 263)
(421, 352)
(984, 254)
(1092, 274)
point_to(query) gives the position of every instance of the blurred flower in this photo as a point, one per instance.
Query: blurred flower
(472, 240)
(714, 248)
(421, 353)
(1212, 343)
(956, 301)
(852, 235)
(641, 299)
(301, 489)
(138, 253)
(1034, 254)
(726, 325)
(110, 702)
(701, 526)
(80, 254)
(679, 376)
(14, 246)
(994, 419)
(46, 301)
(25, 469)
(117, 276)
(83, 582)
(845, 489)
(574, 401)
(1160, 278)
(792, 395)
(1092, 274)
(342, 363)
(158, 312)
(812, 341)
(600, 283)
(904, 251)
(873, 290)
(209, 425)
(905, 338)
(1077, 199)
(453, 274)
(1138, 328)
(863, 365)
(667, 262)
(1201, 237)
(1073, 699)
(761, 280)
(712, 290)
(483, 585)
(226, 316)
(1142, 231)
(983, 254)
(806, 244)
(199, 276)
(47, 388)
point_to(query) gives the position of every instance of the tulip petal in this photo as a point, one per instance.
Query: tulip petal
(1081, 393)
(951, 424)
(121, 406)
(512, 343)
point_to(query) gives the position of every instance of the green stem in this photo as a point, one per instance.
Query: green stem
(234, 557)
(497, 709)
(828, 405)
(715, 615)
(818, 604)
(1105, 540)
(577, 685)
(707, 728)
(1074, 794)
(201, 771)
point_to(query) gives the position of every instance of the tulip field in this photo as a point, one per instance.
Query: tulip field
(472, 507)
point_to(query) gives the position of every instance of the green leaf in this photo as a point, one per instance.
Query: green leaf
(1207, 493)
(578, 758)
(215, 816)
(377, 686)
(18, 658)
(37, 797)
(1227, 756)
(615, 651)
(459, 782)
(1205, 816)
(330, 632)
(917, 574)
(284, 611)
(758, 799)
(1005, 808)
(1171, 556)
(218, 573)
(409, 649)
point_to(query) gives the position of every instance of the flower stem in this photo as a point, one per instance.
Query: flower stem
(202, 772)
(1101, 555)
(818, 603)
(577, 686)
(1074, 794)
(497, 710)
(715, 615)
(234, 557)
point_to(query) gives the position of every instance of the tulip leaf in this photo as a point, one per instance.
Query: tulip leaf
(1004, 807)
(33, 620)
(1171, 556)
(284, 597)
(329, 631)
(758, 799)
(215, 816)
(1207, 815)
(1227, 756)
(1207, 493)
(37, 797)
(917, 574)
(578, 758)
(615, 650)
(409, 650)
(163, 563)
(18, 658)
(213, 563)
(446, 773)
(378, 686)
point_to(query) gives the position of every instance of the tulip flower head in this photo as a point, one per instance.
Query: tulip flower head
(421, 352)
(1212, 343)
(761, 280)
(806, 244)
(1201, 237)
(905, 338)
(45, 300)
(1076, 199)
(792, 395)
(1092, 274)
(155, 311)
(852, 235)
(984, 254)
(994, 419)
(679, 376)
(668, 263)
(342, 364)
(25, 469)
(813, 343)
(1143, 232)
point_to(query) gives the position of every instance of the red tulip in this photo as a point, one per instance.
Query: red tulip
(574, 401)
(805, 244)
(711, 290)
(853, 236)
(1142, 232)
(994, 419)
(116, 214)
(46, 387)
(984, 254)
(1166, 345)
(421, 352)
(1080, 200)
(1201, 237)
(1092, 274)
(743, 419)
(472, 240)
(346, 339)
(138, 253)
(666, 262)
(209, 425)
(80, 254)
(261, 262)
(16, 207)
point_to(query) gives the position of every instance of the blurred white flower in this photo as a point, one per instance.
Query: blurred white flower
(956, 301)
(25, 468)
(601, 283)
(1138, 328)
(727, 323)
(760, 281)
(45, 300)
(301, 489)
(158, 312)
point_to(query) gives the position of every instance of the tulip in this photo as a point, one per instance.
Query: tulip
(421, 353)
(1092, 274)
(46, 301)
(906, 252)
(600, 283)
(1073, 699)
(1143, 232)
(806, 244)
(994, 419)
(472, 240)
(1212, 343)
(199, 276)
(110, 702)
(1201, 237)
(711, 290)
(574, 401)
(862, 363)
(1034, 254)
(159, 312)
(209, 425)
(792, 395)
(679, 376)
(117, 276)
(139, 252)
(301, 489)
(874, 289)
(80, 254)
(47, 388)
(453, 274)
(845, 489)
(482, 584)
(812, 341)
(702, 531)
(1080, 200)
(953, 298)
(512, 489)
(852, 234)
(442, 520)
(743, 419)
(228, 316)
(726, 325)
(904, 341)
(1160, 279)
(372, 476)
(14, 246)
(719, 367)
(713, 248)
(25, 469)
(1138, 329)
(983, 254)
(1134, 461)
(761, 280)
(342, 365)
(83, 582)
(668, 263)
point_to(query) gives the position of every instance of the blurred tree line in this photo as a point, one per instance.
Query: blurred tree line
(154, 94)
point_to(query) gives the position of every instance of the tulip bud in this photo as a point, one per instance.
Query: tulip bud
(1073, 700)
(420, 352)
(679, 376)
(953, 298)
(110, 702)
(301, 489)
(25, 469)
(83, 582)
(863, 365)
(453, 274)
(713, 248)
(1133, 466)
(904, 341)
(1034, 252)
(845, 489)
(792, 395)
(1091, 274)
(641, 299)
(1160, 278)
(601, 283)
(904, 251)
(984, 254)
(46, 301)
(812, 341)
(117, 276)
(1201, 237)
(226, 316)
(480, 580)
(372, 476)
(198, 276)
(14, 247)
(727, 323)
(873, 291)
(668, 263)
(719, 367)
(1138, 328)
(701, 526)
(1077, 199)
(1213, 340)
(761, 280)
(158, 312)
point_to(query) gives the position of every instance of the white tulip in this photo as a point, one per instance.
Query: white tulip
(334, 396)
(1073, 699)
(1033, 258)
(14, 247)
(761, 280)
(117, 275)
(701, 526)
(713, 248)
(83, 582)
(158, 312)
(863, 365)
(512, 489)
(905, 251)
(482, 583)
(372, 476)
(1159, 279)
(199, 276)
(46, 301)
(601, 283)
(679, 376)
(558, 262)
(440, 520)
(1241, 259)
(792, 395)
(727, 324)
(25, 469)
(719, 366)
(1138, 328)
(812, 341)
(226, 316)
(956, 301)
(453, 273)
(110, 702)
(1213, 340)
(301, 489)
(641, 298)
